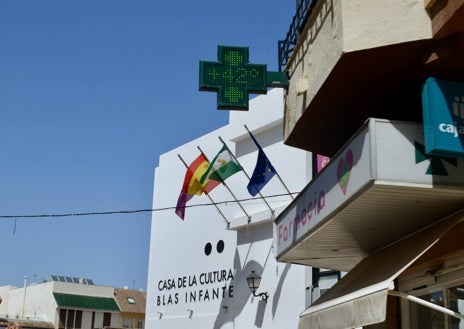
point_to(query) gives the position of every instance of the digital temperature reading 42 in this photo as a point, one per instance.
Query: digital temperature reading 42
(234, 78)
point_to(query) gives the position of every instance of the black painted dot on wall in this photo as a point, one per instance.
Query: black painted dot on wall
(208, 249)
(220, 246)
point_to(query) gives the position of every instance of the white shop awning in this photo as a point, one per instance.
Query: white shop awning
(360, 298)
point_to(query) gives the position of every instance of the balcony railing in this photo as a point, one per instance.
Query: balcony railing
(286, 46)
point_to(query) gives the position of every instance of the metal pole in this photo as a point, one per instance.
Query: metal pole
(426, 303)
(24, 296)
(230, 191)
(267, 204)
(278, 176)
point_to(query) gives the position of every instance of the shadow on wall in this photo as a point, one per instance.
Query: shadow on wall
(278, 291)
(231, 308)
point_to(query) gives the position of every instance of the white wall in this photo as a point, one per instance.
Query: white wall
(83, 289)
(177, 250)
(369, 24)
(116, 320)
(86, 319)
(35, 302)
(4, 294)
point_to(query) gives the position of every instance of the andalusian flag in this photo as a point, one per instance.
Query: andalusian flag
(222, 167)
(192, 185)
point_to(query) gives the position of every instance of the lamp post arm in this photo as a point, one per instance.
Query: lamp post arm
(264, 295)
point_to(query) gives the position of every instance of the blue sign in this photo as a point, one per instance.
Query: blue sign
(443, 111)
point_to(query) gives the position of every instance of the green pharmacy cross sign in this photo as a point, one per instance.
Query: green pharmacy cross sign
(234, 78)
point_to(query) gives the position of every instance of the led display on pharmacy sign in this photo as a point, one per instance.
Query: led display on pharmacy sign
(443, 113)
(234, 78)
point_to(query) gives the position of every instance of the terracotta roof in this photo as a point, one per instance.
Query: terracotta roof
(130, 301)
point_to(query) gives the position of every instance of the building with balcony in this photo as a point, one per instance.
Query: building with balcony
(72, 303)
(388, 208)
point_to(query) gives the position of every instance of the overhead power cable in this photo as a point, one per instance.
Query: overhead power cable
(122, 212)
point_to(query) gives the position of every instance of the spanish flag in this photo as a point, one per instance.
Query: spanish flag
(192, 185)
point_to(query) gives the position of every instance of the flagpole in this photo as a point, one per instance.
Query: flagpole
(230, 191)
(277, 173)
(267, 204)
(214, 203)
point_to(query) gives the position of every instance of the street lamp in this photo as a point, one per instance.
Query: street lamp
(253, 283)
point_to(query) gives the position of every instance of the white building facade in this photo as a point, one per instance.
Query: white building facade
(198, 266)
(66, 305)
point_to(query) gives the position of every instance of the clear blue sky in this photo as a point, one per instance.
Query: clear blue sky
(91, 93)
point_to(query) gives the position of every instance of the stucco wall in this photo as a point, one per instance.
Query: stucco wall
(369, 24)
(83, 289)
(338, 27)
(36, 301)
(177, 248)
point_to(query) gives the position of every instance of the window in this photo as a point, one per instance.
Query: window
(62, 319)
(421, 317)
(78, 321)
(322, 280)
(70, 319)
(455, 301)
(140, 324)
(127, 323)
(93, 320)
(130, 300)
(106, 319)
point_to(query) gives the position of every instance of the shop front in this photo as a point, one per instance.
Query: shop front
(390, 215)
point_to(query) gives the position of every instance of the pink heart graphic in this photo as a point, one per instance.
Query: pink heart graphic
(344, 170)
